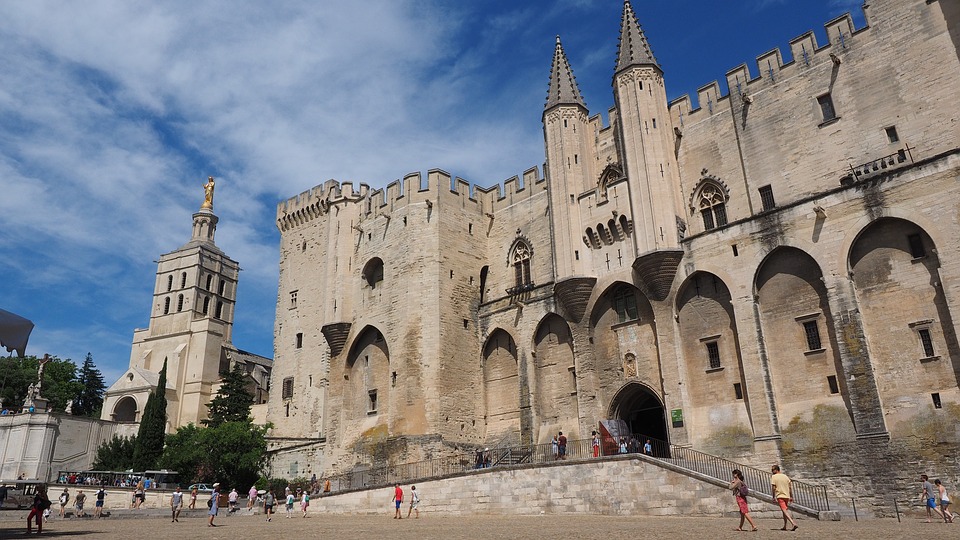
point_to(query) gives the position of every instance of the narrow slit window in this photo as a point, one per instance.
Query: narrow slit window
(937, 404)
(299, 340)
(372, 405)
(832, 383)
(738, 390)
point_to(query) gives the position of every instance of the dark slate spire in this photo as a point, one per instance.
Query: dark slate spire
(633, 49)
(563, 85)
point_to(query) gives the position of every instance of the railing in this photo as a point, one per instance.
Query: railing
(886, 162)
(809, 495)
(804, 494)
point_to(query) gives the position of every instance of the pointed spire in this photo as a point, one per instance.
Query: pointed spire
(633, 49)
(563, 88)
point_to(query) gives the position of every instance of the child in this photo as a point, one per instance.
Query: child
(289, 505)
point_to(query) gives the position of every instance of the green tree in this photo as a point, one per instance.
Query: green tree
(90, 400)
(153, 425)
(232, 452)
(233, 401)
(60, 383)
(114, 455)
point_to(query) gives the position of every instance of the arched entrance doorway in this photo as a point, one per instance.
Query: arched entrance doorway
(125, 410)
(642, 411)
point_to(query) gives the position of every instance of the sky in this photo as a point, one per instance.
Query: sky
(113, 114)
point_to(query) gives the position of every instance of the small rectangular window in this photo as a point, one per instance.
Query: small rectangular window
(373, 401)
(832, 382)
(766, 198)
(826, 107)
(470, 228)
(713, 354)
(465, 323)
(916, 246)
(812, 332)
(735, 252)
(936, 400)
(892, 134)
(293, 299)
(926, 342)
(287, 391)
(299, 340)
(738, 390)
(576, 254)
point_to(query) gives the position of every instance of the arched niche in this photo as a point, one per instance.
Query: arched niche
(501, 385)
(555, 378)
(125, 410)
(367, 376)
(621, 322)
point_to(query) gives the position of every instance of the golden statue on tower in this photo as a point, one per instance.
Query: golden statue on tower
(208, 194)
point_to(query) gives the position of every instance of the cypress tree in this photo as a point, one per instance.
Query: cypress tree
(233, 401)
(149, 444)
(90, 400)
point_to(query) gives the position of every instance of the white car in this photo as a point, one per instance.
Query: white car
(201, 488)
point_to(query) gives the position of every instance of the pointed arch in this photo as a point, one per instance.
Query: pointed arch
(367, 376)
(501, 384)
(520, 258)
(555, 377)
(709, 198)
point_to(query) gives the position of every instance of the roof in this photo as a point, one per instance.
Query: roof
(563, 88)
(633, 49)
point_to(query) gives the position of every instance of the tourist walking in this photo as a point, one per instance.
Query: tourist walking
(929, 495)
(740, 492)
(193, 498)
(268, 501)
(64, 499)
(781, 492)
(79, 501)
(304, 502)
(232, 500)
(40, 503)
(139, 495)
(251, 497)
(944, 502)
(289, 503)
(561, 445)
(213, 504)
(98, 506)
(398, 500)
(414, 502)
(176, 505)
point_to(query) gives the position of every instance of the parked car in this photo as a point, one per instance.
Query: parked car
(201, 488)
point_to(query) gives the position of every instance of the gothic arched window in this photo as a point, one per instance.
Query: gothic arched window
(711, 203)
(520, 259)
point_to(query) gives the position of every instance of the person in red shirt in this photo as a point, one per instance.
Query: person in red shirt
(562, 446)
(398, 500)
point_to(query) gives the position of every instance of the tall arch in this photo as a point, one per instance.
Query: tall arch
(711, 356)
(555, 378)
(501, 385)
(622, 324)
(798, 334)
(907, 322)
(367, 376)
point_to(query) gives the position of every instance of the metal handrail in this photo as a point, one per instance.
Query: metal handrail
(804, 494)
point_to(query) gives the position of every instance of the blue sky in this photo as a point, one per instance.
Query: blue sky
(112, 115)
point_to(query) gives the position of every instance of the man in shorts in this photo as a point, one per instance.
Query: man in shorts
(781, 492)
(176, 504)
(98, 510)
(929, 494)
(398, 499)
(268, 501)
(78, 502)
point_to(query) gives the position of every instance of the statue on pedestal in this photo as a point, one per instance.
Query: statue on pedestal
(208, 194)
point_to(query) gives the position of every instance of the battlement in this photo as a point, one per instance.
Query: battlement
(440, 187)
(805, 53)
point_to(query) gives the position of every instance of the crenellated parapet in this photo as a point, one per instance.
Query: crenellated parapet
(439, 187)
(805, 54)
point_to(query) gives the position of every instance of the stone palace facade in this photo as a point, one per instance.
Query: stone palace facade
(769, 275)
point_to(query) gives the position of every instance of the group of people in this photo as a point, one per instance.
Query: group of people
(398, 502)
(779, 488)
(934, 494)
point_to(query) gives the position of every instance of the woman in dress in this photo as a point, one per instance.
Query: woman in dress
(214, 504)
(740, 491)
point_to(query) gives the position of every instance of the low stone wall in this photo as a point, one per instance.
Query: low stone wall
(613, 486)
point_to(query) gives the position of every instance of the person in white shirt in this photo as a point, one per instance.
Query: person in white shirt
(414, 502)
